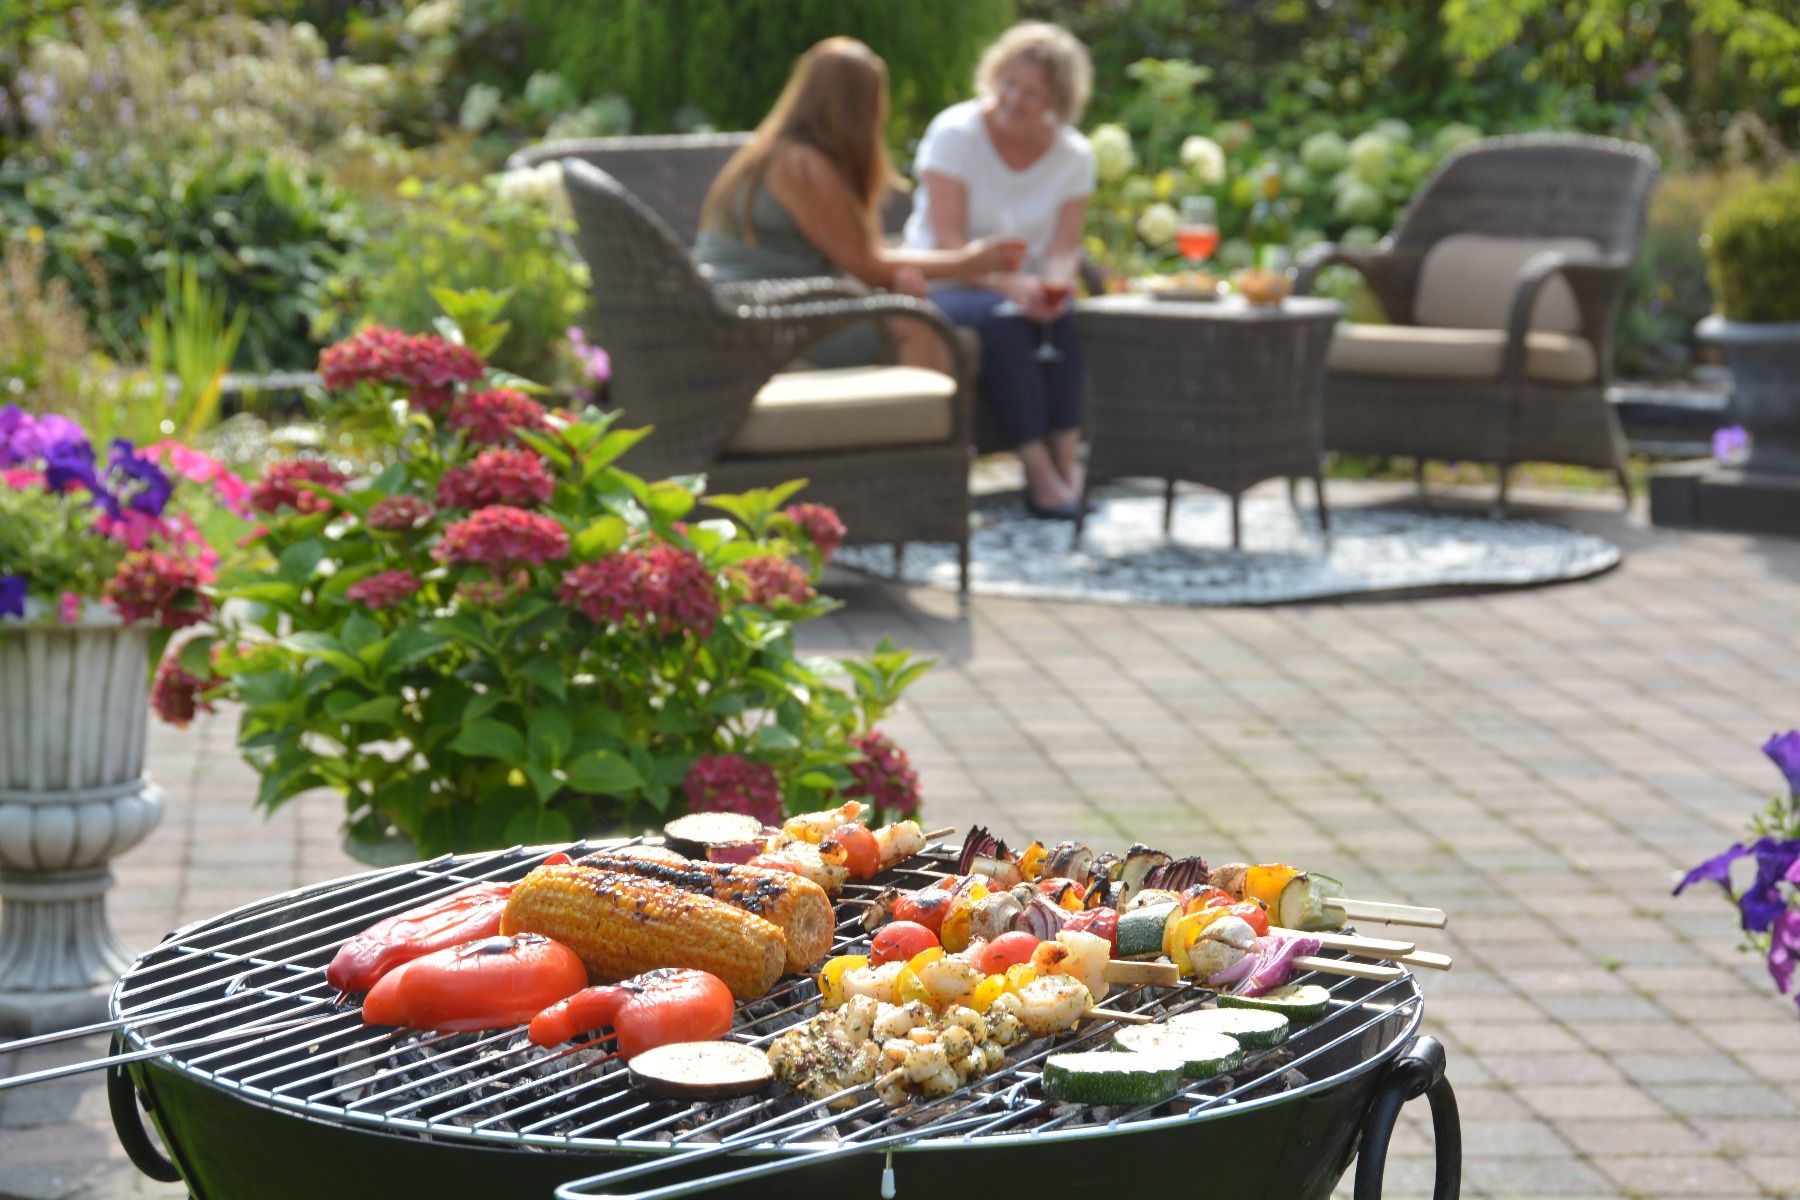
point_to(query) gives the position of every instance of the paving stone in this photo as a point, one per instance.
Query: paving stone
(1663, 1175)
(1596, 1136)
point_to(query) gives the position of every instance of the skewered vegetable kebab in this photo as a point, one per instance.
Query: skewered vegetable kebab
(828, 847)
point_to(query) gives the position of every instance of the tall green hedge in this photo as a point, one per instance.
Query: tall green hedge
(725, 60)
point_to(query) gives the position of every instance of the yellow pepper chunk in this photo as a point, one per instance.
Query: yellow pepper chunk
(831, 977)
(1031, 861)
(1265, 883)
(953, 935)
(1018, 975)
(1179, 935)
(987, 991)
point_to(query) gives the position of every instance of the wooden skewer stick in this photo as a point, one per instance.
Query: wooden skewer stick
(1123, 1018)
(1349, 943)
(931, 835)
(1342, 966)
(1390, 914)
(1425, 958)
(1158, 974)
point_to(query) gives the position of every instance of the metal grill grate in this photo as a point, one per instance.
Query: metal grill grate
(242, 1002)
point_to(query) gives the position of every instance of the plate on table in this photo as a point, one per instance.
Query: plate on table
(1183, 285)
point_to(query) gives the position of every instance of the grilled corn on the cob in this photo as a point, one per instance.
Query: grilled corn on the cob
(799, 907)
(621, 925)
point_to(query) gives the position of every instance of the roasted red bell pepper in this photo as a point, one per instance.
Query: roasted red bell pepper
(492, 983)
(451, 920)
(672, 1004)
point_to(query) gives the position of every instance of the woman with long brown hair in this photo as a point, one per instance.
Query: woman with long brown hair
(804, 198)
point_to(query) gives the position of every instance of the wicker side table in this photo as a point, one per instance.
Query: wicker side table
(1217, 392)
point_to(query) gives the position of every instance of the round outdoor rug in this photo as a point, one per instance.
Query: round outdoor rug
(1125, 557)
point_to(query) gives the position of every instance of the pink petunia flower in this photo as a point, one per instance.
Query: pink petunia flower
(68, 608)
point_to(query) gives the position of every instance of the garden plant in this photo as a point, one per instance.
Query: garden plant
(500, 635)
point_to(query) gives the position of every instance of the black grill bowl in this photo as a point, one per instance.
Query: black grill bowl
(234, 1130)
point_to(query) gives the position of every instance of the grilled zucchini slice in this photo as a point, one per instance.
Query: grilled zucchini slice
(1253, 1028)
(1298, 1002)
(1111, 1077)
(1203, 1053)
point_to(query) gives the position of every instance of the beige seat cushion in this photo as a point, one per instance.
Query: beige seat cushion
(1467, 281)
(851, 408)
(1417, 351)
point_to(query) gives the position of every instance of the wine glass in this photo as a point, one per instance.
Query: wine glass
(1198, 234)
(1016, 246)
(1058, 282)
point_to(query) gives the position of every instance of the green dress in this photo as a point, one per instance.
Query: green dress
(781, 251)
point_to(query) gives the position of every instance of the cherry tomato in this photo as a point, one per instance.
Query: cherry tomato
(1254, 914)
(862, 853)
(1206, 897)
(927, 907)
(1007, 950)
(464, 916)
(492, 983)
(900, 941)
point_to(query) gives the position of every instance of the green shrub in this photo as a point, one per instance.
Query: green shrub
(1752, 249)
(263, 235)
(664, 56)
(1666, 294)
(500, 236)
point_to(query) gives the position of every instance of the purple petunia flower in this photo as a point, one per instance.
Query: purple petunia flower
(154, 487)
(67, 463)
(1717, 869)
(1784, 951)
(1784, 751)
(18, 436)
(12, 595)
(1729, 442)
(1761, 902)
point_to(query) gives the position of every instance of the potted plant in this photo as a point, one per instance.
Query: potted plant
(101, 561)
(501, 636)
(1763, 878)
(1752, 247)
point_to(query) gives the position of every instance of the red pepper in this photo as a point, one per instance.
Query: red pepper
(928, 906)
(671, 1004)
(1101, 922)
(448, 921)
(1254, 915)
(493, 983)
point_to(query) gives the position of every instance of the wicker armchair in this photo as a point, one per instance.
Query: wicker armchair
(888, 447)
(1503, 279)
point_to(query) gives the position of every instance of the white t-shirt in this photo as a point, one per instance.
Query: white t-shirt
(1002, 201)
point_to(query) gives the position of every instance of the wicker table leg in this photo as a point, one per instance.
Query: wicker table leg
(1168, 506)
(1237, 522)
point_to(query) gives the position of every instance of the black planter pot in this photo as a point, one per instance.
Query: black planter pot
(1765, 397)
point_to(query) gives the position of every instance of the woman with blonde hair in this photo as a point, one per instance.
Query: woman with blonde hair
(803, 198)
(1011, 163)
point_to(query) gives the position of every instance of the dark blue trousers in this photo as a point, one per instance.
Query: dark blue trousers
(1029, 398)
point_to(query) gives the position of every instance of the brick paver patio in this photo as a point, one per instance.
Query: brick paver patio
(1538, 763)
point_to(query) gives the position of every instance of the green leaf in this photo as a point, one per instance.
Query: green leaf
(817, 779)
(775, 739)
(609, 449)
(348, 706)
(548, 672)
(599, 539)
(324, 648)
(299, 561)
(359, 631)
(669, 501)
(544, 782)
(196, 657)
(462, 627)
(537, 827)
(549, 737)
(490, 739)
(603, 773)
(269, 591)
(412, 644)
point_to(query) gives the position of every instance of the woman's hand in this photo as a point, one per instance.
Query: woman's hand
(909, 281)
(992, 256)
(1029, 293)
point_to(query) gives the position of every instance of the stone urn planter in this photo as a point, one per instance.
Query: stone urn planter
(1765, 387)
(74, 709)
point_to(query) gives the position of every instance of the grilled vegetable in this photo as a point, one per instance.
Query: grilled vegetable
(927, 906)
(985, 854)
(831, 977)
(853, 847)
(1069, 860)
(1177, 874)
(1009, 949)
(464, 916)
(492, 983)
(797, 906)
(994, 916)
(622, 924)
(1298, 1002)
(672, 1004)
(702, 831)
(702, 1070)
(1140, 860)
(1254, 1029)
(1302, 902)
(900, 941)
(1203, 1053)
(1110, 1077)
(1141, 930)
(1101, 922)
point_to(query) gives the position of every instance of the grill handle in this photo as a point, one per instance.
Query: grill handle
(1418, 1071)
(128, 1123)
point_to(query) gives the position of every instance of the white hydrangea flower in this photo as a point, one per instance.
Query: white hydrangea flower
(1325, 152)
(1371, 155)
(1113, 153)
(480, 106)
(1454, 137)
(542, 185)
(434, 17)
(1157, 224)
(1205, 158)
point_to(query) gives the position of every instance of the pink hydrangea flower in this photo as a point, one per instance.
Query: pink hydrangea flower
(502, 536)
(152, 586)
(428, 366)
(773, 580)
(821, 525)
(384, 589)
(396, 514)
(885, 777)
(280, 485)
(662, 589)
(491, 416)
(732, 783)
(497, 476)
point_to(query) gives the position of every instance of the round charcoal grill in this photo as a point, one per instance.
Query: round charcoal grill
(264, 1082)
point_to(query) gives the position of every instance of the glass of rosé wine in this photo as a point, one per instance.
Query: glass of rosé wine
(1198, 234)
